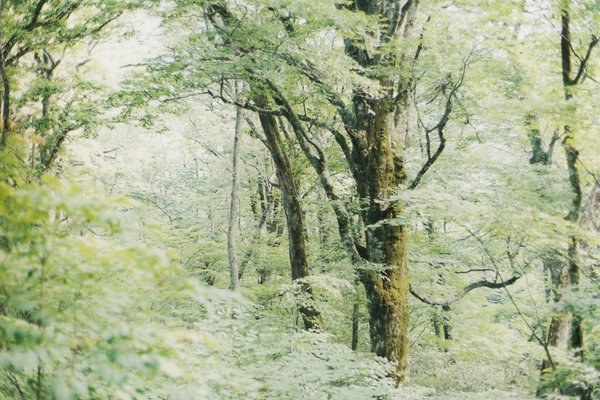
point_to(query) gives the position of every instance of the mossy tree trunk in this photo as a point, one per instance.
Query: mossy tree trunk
(379, 174)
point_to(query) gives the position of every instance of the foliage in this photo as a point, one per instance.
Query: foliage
(101, 297)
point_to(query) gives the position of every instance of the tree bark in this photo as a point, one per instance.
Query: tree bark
(381, 173)
(446, 323)
(538, 156)
(355, 318)
(234, 207)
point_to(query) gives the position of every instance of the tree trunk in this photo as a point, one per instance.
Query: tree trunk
(378, 172)
(5, 103)
(565, 330)
(538, 155)
(293, 214)
(387, 291)
(5, 80)
(355, 317)
(234, 207)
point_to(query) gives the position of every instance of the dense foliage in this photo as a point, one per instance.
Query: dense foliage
(116, 196)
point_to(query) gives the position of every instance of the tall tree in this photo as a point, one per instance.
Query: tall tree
(375, 122)
(565, 330)
(222, 21)
(234, 206)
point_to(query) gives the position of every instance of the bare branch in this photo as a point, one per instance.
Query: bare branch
(256, 132)
(542, 343)
(453, 299)
(145, 64)
(440, 126)
(586, 59)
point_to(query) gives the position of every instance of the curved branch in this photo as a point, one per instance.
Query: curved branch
(453, 299)
(585, 60)
(475, 270)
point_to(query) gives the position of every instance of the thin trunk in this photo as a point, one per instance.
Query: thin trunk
(5, 80)
(323, 231)
(355, 317)
(40, 323)
(5, 103)
(234, 207)
(49, 150)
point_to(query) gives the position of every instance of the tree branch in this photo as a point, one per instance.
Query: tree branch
(453, 299)
(14, 381)
(304, 138)
(439, 127)
(397, 18)
(256, 132)
(35, 16)
(245, 106)
(475, 270)
(25, 49)
(585, 60)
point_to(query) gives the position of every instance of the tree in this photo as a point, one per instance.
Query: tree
(234, 210)
(46, 29)
(566, 330)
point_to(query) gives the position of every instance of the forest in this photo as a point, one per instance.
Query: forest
(299, 199)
